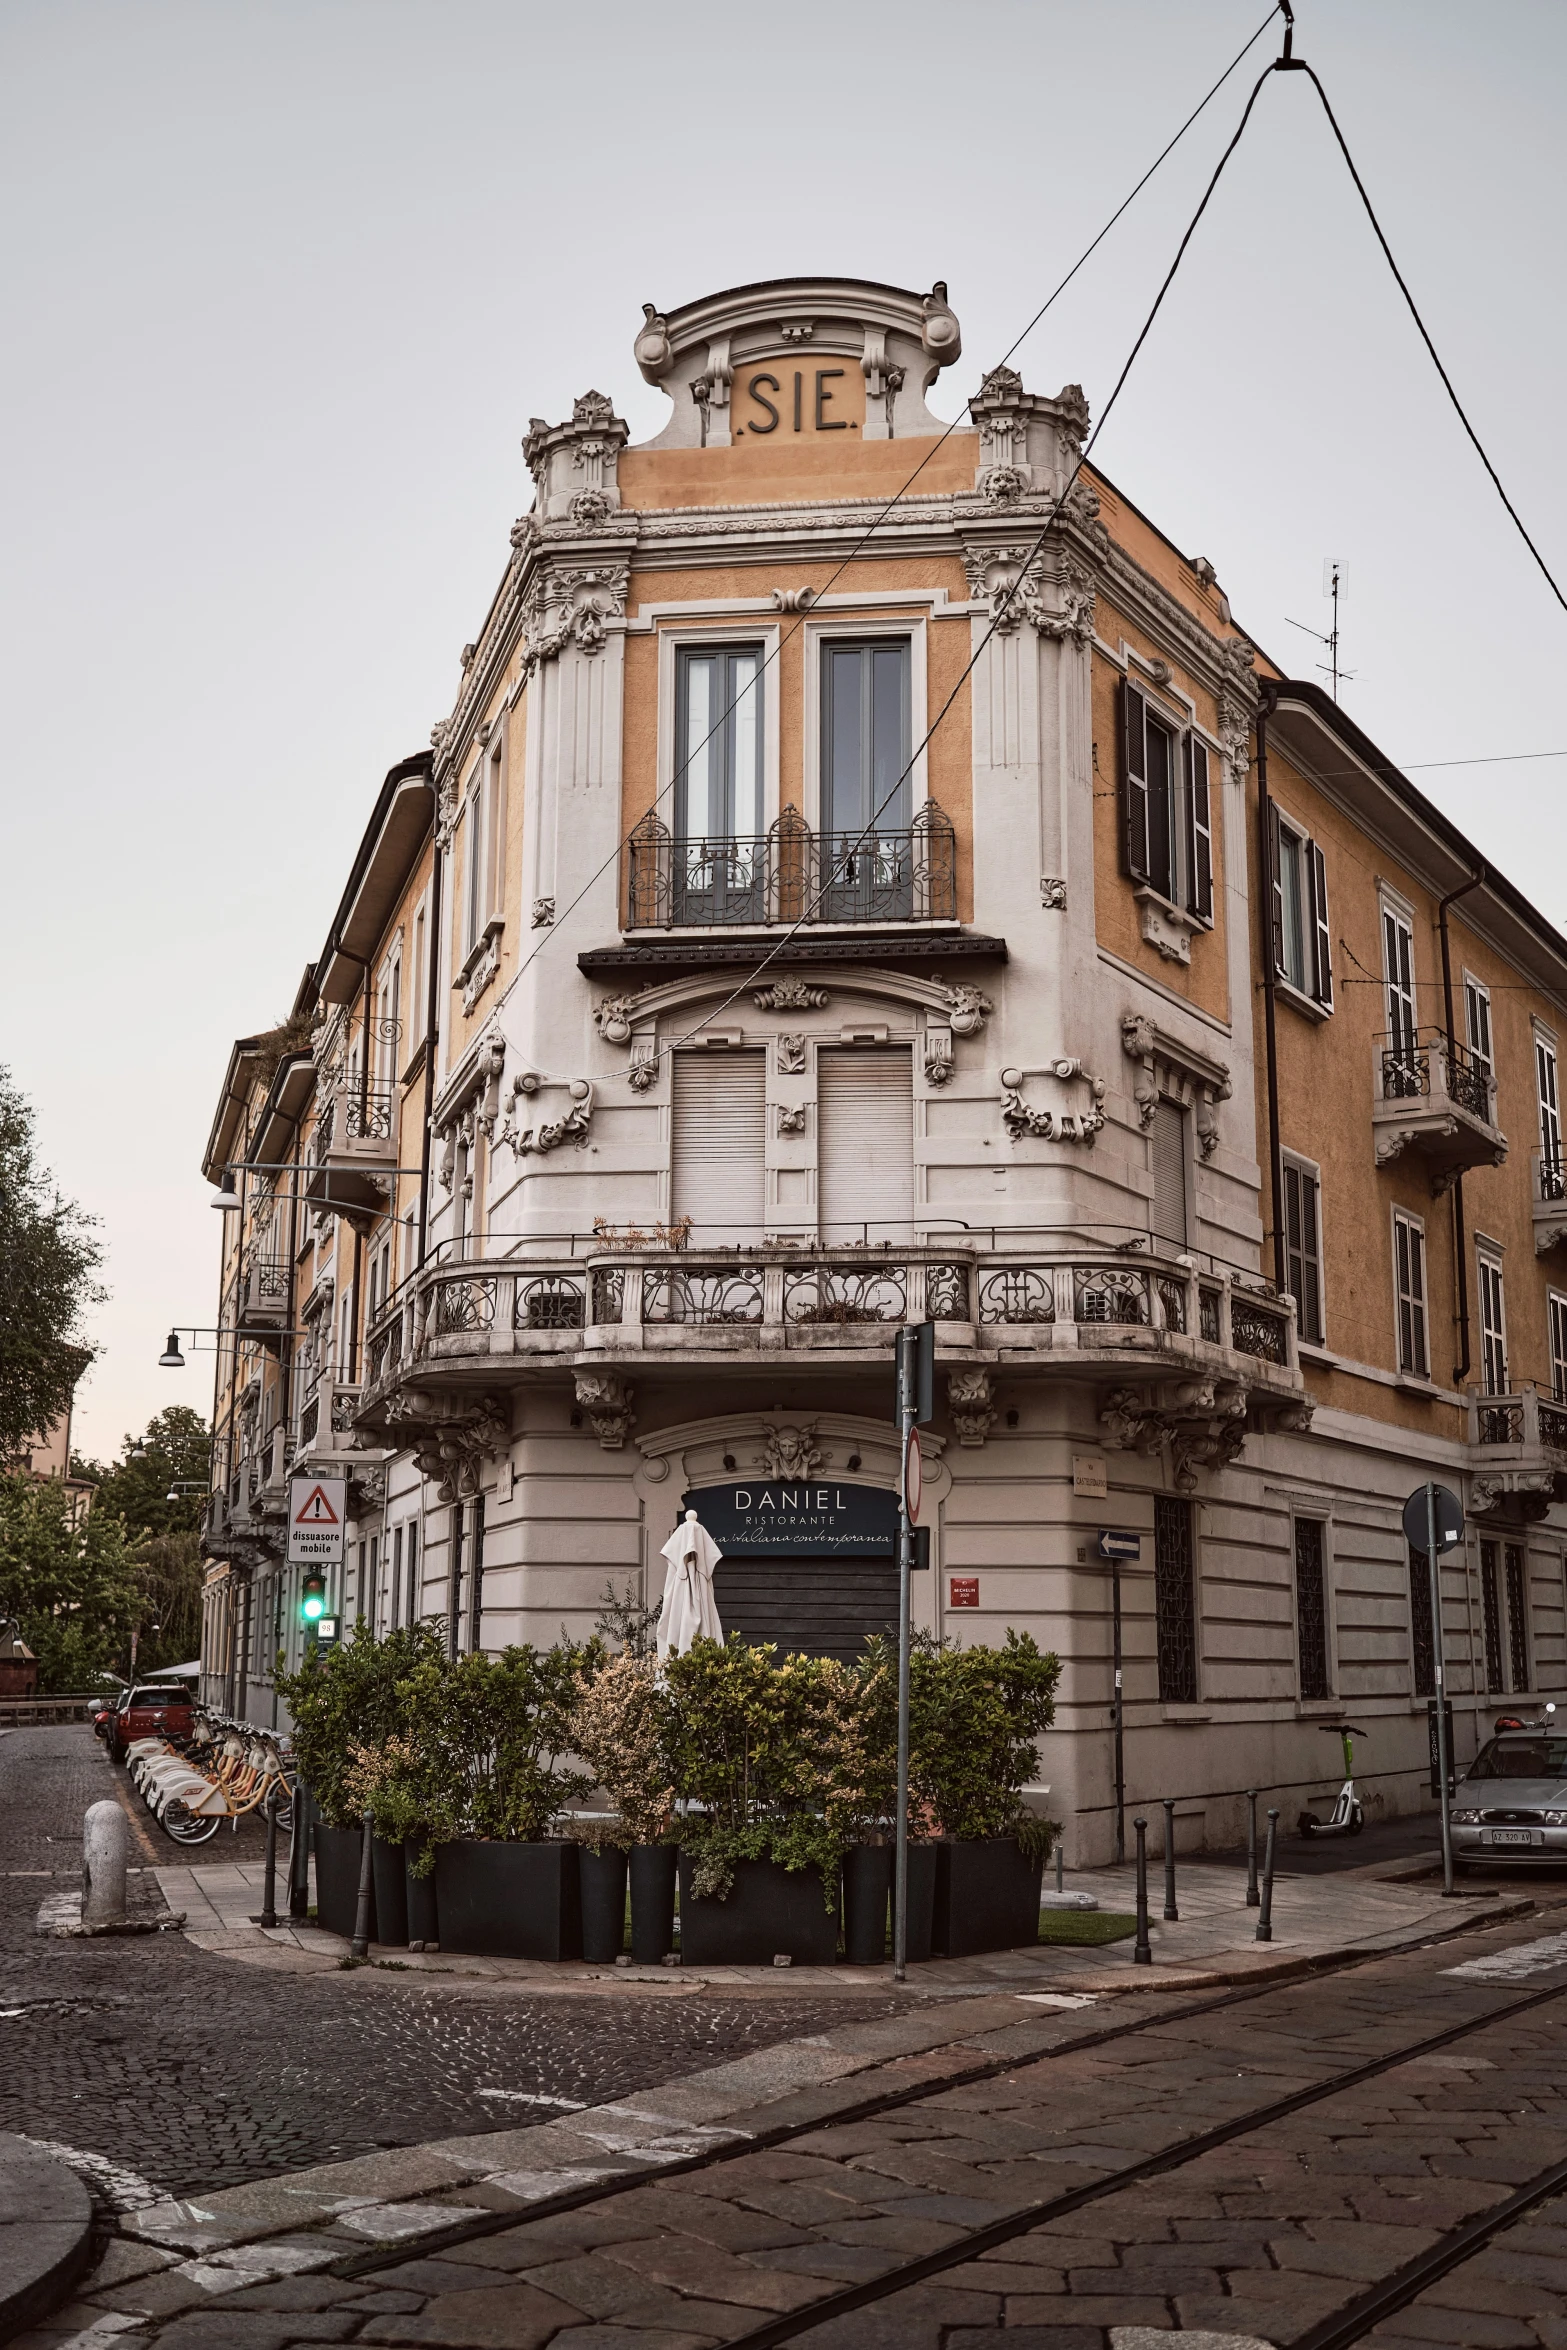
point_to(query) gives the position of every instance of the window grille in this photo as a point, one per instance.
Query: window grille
(1175, 1601)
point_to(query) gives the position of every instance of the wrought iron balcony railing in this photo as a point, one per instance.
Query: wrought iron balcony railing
(1436, 1099)
(792, 874)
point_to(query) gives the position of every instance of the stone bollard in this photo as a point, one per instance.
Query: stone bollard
(105, 1842)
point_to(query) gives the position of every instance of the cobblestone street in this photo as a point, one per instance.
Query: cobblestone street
(196, 2072)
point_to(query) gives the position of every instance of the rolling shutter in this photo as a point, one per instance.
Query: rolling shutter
(865, 1143)
(1134, 782)
(1167, 1154)
(719, 1157)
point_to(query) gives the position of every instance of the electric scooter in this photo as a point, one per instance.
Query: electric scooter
(1346, 1818)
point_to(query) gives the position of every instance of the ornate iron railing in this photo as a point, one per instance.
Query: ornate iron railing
(1258, 1330)
(846, 1293)
(1418, 1063)
(1111, 1294)
(549, 1302)
(1018, 1293)
(701, 1293)
(790, 874)
(464, 1305)
(947, 1293)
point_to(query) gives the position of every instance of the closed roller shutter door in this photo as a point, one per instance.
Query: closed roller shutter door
(719, 1172)
(1169, 1172)
(812, 1607)
(865, 1143)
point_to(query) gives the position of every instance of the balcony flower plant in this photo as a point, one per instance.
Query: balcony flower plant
(770, 1765)
(620, 1727)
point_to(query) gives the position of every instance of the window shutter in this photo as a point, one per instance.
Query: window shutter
(1134, 782)
(719, 1154)
(1277, 888)
(1322, 942)
(865, 1142)
(1199, 831)
(1167, 1160)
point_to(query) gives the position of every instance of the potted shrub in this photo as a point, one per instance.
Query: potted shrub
(620, 1728)
(976, 1715)
(344, 1705)
(765, 1758)
(491, 1733)
(868, 1861)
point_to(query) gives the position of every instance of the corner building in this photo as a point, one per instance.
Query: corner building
(691, 1020)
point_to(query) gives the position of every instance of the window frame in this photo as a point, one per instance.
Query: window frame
(1181, 810)
(1547, 1091)
(1400, 992)
(1324, 1568)
(1168, 1507)
(1403, 1219)
(1477, 1001)
(719, 648)
(912, 628)
(1313, 990)
(1305, 1171)
(1556, 1334)
(1493, 1340)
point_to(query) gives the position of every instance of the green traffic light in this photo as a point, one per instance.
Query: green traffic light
(314, 1606)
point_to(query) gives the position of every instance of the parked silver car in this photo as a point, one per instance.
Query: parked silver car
(1511, 1803)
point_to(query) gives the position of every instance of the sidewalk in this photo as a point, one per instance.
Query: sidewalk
(1214, 1941)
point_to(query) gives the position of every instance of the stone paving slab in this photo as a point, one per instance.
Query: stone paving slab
(45, 2232)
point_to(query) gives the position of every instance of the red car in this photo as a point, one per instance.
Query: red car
(152, 1709)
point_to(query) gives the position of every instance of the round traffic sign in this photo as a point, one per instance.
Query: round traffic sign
(1449, 1518)
(913, 1476)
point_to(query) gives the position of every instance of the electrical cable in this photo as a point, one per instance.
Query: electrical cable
(1003, 601)
(1299, 65)
(898, 495)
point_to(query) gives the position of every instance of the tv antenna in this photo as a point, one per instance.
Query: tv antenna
(1332, 578)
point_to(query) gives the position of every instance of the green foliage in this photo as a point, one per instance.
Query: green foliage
(773, 1758)
(178, 1451)
(350, 1700)
(491, 1734)
(168, 1577)
(622, 1726)
(69, 1579)
(49, 1254)
(975, 1718)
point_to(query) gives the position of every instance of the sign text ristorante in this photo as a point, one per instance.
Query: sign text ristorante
(771, 1517)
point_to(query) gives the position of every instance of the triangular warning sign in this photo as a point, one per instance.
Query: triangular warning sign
(316, 1510)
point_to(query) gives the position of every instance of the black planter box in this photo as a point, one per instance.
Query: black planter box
(603, 1877)
(868, 1881)
(509, 1900)
(920, 1923)
(419, 1892)
(987, 1897)
(337, 1878)
(652, 1902)
(770, 1912)
(390, 1880)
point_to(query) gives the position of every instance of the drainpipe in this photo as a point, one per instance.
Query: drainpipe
(432, 1007)
(1269, 996)
(1460, 1265)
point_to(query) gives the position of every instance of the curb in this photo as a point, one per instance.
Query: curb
(46, 2232)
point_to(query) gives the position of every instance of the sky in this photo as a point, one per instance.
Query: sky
(283, 282)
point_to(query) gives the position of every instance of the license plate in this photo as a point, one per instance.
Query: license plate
(1512, 1835)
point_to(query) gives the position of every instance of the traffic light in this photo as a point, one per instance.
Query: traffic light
(312, 1598)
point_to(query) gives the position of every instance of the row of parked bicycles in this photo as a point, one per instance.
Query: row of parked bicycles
(195, 1768)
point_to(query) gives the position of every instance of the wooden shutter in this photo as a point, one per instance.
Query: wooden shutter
(1134, 782)
(865, 1143)
(1167, 1156)
(1276, 887)
(719, 1155)
(1199, 831)
(1321, 937)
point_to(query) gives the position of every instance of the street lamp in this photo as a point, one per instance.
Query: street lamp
(171, 1359)
(226, 1196)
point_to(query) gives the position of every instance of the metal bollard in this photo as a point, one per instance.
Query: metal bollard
(359, 1947)
(1265, 1920)
(1252, 1895)
(1142, 1953)
(105, 1848)
(269, 1880)
(299, 1855)
(1060, 1865)
(1170, 1909)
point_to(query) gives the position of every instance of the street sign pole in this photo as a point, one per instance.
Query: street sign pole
(1443, 1759)
(916, 1402)
(1120, 1735)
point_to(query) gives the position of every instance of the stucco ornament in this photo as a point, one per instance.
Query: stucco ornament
(789, 995)
(449, 1436)
(612, 1018)
(1052, 894)
(543, 913)
(789, 1053)
(792, 1117)
(606, 1398)
(790, 1451)
(652, 349)
(1075, 1113)
(549, 1134)
(970, 1400)
(970, 1008)
(1166, 1066)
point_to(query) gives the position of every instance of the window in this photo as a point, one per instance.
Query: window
(1477, 1025)
(476, 1579)
(1166, 806)
(473, 892)
(1398, 968)
(454, 1583)
(1491, 1620)
(1553, 1183)
(388, 1023)
(1302, 939)
(1311, 1614)
(720, 861)
(395, 1611)
(1409, 1280)
(1493, 1327)
(412, 1587)
(1303, 1246)
(1175, 1601)
(865, 1143)
(1556, 1309)
(1420, 1624)
(865, 736)
(416, 999)
(1517, 1616)
(368, 1596)
(1167, 1157)
(719, 1129)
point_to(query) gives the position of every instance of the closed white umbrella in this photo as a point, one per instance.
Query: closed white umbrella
(690, 1611)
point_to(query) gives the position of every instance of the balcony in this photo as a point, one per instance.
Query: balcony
(1549, 1191)
(1518, 1455)
(792, 874)
(1433, 1099)
(355, 1164)
(326, 1427)
(1186, 1356)
(262, 1302)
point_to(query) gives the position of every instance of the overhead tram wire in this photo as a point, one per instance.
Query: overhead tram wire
(787, 635)
(1004, 601)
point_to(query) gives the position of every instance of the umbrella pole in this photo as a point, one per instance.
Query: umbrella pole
(900, 1883)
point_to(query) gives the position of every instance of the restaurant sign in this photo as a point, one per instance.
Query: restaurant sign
(777, 1517)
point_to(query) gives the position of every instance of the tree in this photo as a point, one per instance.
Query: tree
(168, 1574)
(48, 1257)
(177, 1450)
(68, 1579)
